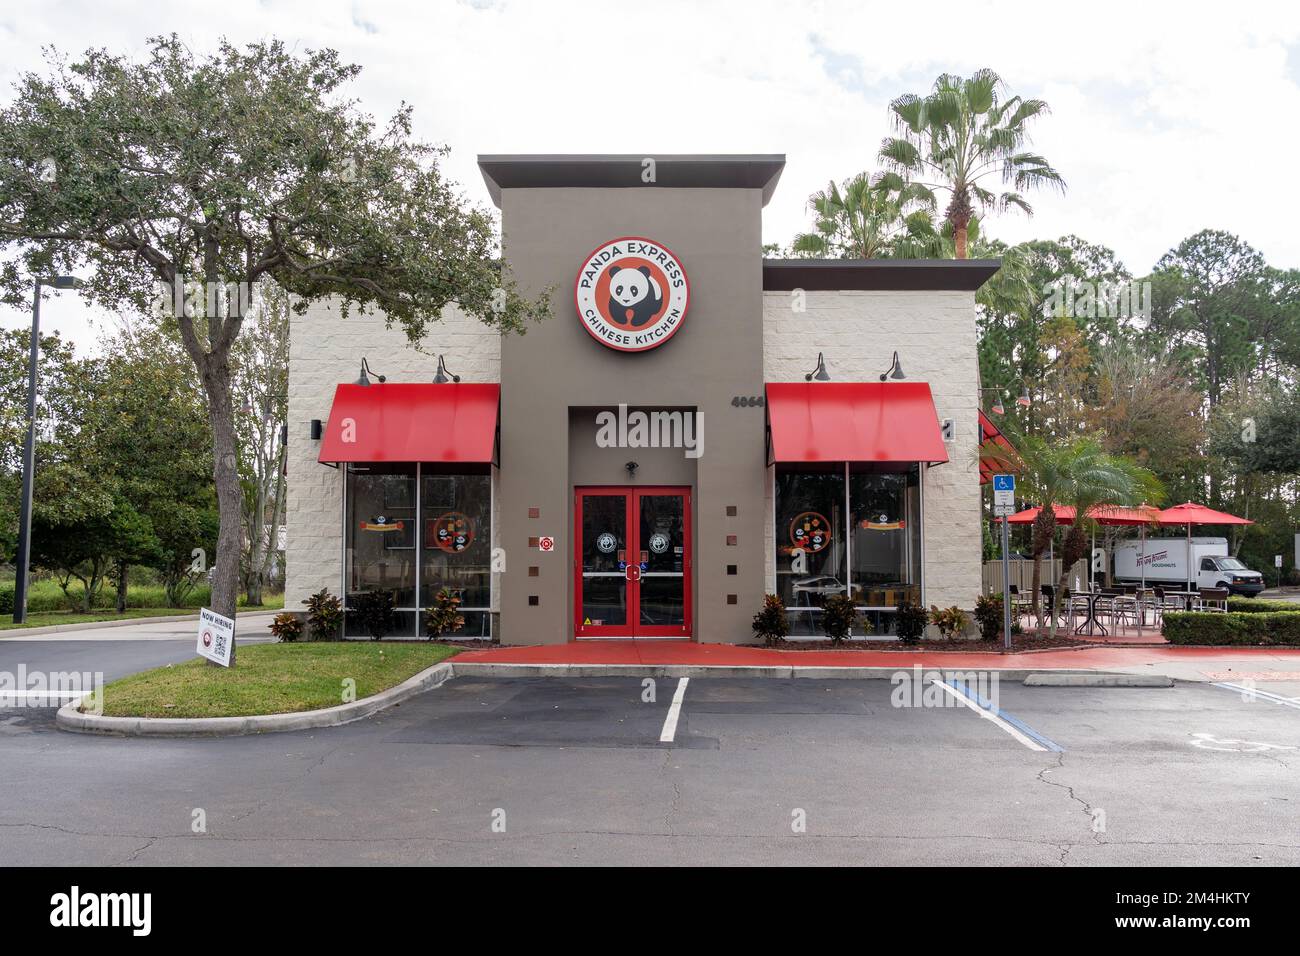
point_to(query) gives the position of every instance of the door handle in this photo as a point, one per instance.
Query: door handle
(633, 572)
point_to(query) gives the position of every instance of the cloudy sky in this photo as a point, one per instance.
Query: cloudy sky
(1163, 114)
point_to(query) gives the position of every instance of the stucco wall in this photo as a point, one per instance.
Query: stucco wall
(324, 350)
(934, 334)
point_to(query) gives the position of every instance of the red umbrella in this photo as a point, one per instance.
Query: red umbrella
(1189, 513)
(1064, 515)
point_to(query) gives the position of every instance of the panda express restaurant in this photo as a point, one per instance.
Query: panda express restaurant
(694, 427)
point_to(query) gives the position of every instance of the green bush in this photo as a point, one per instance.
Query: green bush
(910, 622)
(838, 615)
(324, 615)
(1209, 627)
(771, 623)
(443, 616)
(951, 621)
(988, 615)
(287, 626)
(1256, 606)
(6, 599)
(374, 612)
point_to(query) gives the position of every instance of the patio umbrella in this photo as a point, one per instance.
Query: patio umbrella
(1189, 514)
(1064, 515)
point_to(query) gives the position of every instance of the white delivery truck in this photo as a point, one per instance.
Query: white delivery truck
(1167, 563)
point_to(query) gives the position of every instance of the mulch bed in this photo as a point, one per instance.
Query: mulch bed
(1019, 644)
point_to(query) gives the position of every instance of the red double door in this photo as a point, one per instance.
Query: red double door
(632, 563)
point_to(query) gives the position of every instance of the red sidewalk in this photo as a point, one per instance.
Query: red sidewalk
(734, 655)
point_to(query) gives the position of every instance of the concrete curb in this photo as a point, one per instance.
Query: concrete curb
(1076, 679)
(127, 622)
(71, 719)
(483, 669)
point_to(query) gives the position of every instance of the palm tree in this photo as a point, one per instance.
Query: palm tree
(959, 136)
(1078, 473)
(858, 220)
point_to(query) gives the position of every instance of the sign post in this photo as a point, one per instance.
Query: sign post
(216, 639)
(1004, 505)
(1277, 563)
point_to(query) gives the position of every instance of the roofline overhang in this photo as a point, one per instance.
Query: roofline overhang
(624, 170)
(826, 275)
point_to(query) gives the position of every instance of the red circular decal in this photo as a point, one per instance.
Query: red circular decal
(453, 532)
(631, 294)
(207, 638)
(810, 531)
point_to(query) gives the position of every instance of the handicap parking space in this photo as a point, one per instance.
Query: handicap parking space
(1185, 718)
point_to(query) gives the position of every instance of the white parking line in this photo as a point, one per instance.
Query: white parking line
(674, 709)
(993, 716)
(1262, 694)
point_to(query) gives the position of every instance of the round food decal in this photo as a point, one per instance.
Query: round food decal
(453, 532)
(632, 294)
(810, 531)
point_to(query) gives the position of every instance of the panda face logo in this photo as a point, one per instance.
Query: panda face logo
(634, 294)
(631, 294)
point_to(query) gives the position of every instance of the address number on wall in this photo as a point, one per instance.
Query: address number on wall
(747, 401)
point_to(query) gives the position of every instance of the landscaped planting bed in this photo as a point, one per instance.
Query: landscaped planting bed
(1235, 627)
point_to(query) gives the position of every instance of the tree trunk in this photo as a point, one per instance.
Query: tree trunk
(959, 238)
(121, 587)
(225, 474)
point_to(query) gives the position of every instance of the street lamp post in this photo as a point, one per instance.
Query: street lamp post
(23, 557)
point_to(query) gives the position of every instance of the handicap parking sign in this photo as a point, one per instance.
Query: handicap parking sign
(1004, 482)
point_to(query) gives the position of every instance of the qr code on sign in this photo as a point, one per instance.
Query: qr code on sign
(219, 645)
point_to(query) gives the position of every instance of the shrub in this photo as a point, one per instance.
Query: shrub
(286, 626)
(988, 616)
(374, 612)
(324, 615)
(443, 617)
(910, 622)
(6, 599)
(951, 621)
(838, 614)
(771, 623)
(1256, 606)
(1209, 627)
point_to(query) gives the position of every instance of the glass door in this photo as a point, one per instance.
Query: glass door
(632, 575)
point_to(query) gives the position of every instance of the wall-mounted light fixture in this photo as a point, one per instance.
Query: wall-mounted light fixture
(441, 377)
(819, 372)
(365, 378)
(895, 370)
(631, 467)
(316, 429)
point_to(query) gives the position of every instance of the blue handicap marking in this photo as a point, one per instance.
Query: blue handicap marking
(1004, 482)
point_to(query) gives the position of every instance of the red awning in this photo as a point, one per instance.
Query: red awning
(412, 421)
(854, 421)
(997, 455)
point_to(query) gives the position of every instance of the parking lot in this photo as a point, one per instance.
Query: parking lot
(609, 770)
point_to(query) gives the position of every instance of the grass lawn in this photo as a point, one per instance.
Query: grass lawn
(270, 679)
(272, 602)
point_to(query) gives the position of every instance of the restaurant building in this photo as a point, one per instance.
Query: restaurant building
(694, 427)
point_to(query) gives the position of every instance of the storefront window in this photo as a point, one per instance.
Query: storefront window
(872, 551)
(457, 545)
(380, 538)
(454, 536)
(810, 541)
(885, 547)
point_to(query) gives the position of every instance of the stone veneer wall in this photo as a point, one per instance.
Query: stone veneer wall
(324, 350)
(934, 333)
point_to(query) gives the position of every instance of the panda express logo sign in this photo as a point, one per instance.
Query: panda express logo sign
(632, 294)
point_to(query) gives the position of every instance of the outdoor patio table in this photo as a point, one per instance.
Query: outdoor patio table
(1092, 613)
(1185, 596)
